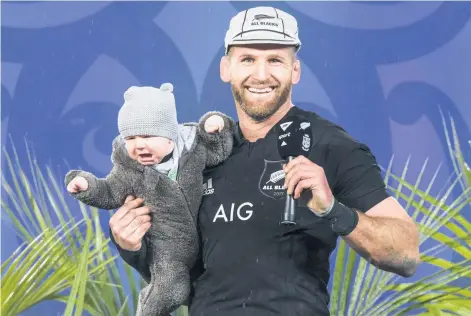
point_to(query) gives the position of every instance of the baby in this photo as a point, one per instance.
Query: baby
(161, 161)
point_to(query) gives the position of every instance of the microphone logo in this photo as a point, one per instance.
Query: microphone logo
(285, 125)
(306, 144)
(305, 125)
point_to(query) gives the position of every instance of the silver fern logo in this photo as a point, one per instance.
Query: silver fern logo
(276, 176)
(271, 180)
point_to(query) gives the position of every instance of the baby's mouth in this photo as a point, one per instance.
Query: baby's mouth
(145, 156)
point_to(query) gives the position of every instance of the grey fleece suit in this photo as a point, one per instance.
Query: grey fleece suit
(173, 238)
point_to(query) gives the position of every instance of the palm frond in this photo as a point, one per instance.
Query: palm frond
(440, 221)
(77, 265)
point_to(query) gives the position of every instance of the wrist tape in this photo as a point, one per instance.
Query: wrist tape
(342, 218)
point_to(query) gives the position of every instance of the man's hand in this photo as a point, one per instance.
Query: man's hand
(130, 223)
(78, 184)
(303, 174)
(385, 236)
(214, 124)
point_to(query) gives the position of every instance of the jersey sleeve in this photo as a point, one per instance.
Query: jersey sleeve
(356, 177)
(136, 259)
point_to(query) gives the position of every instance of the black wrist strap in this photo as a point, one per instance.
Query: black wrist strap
(342, 218)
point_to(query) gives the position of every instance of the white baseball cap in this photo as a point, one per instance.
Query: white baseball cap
(262, 25)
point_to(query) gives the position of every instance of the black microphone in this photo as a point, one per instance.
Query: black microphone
(294, 139)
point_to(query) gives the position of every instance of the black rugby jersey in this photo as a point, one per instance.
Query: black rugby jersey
(252, 265)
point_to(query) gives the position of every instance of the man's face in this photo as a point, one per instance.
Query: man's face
(261, 77)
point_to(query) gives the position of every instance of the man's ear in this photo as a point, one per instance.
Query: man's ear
(224, 69)
(296, 74)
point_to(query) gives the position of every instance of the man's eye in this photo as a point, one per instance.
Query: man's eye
(274, 60)
(247, 60)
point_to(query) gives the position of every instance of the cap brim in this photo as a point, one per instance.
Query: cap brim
(248, 43)
(263, 37)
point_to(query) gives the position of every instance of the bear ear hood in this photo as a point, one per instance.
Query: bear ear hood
(120, 155)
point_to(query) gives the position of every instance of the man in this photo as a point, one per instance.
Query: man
(250, 264)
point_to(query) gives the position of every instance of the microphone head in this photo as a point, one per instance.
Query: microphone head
(294, 137)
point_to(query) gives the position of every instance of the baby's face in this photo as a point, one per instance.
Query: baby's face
(148, 150)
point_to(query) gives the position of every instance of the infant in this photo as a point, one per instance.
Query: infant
(161, 161)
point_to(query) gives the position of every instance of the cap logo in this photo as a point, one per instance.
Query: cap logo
(262, 16)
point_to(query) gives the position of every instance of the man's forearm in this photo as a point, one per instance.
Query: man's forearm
(388, 243)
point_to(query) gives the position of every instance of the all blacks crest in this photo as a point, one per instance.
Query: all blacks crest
(272, 180)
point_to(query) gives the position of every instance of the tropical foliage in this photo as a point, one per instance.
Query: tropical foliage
(361, 289)
(63, 257)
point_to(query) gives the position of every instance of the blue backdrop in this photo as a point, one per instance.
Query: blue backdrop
(382, 70)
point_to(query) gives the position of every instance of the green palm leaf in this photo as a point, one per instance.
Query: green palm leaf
(438, 220)
(70, 262)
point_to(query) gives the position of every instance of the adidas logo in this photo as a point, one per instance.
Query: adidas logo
(208, 187)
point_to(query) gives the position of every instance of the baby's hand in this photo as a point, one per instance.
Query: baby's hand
(214, 124)
(78, 184)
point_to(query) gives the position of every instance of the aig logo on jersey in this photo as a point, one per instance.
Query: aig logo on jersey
(208, 187)
(271, 180)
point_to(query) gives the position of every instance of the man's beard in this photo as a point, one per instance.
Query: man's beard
(260, 111)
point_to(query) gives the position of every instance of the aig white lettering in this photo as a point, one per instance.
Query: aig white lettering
(242, 214)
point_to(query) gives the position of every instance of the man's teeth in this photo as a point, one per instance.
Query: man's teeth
(264, 90)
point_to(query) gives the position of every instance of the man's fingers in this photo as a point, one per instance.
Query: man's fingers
(127, 206)
(134, 241)
(296, 176)
(296, 161)
(300, 170)
(296, 169)
(118, 224)
(291, 164)
(139, 221)
(141, 231)
(301, 186)
(130, 223)
(129, 237)
(129, 198)
(133, 224)
(134, 213)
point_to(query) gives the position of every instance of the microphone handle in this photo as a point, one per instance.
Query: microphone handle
(289, 213)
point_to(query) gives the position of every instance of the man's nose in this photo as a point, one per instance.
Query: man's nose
(261, 71)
